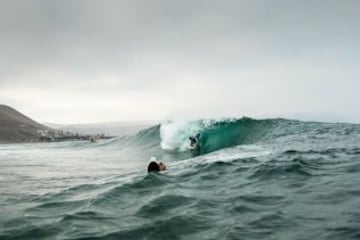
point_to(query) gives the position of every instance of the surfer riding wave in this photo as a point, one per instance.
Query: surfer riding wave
(194, 141)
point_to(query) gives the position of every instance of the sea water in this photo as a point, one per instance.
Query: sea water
(249, 179)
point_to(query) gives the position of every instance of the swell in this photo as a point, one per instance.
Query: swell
(252, 197)
(172, 137)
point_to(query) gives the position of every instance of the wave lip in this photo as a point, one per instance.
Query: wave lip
(214, 134)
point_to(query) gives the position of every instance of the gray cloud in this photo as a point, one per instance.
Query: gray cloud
(191, 58)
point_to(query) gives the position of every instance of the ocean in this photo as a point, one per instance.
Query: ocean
(249, 179)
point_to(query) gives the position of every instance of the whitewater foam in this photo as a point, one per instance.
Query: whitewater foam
(175, 135)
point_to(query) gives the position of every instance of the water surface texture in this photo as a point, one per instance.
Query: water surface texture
(250, 179)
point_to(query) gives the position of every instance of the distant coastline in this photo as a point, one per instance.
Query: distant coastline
(16, 127)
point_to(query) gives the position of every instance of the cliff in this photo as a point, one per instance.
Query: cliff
(15, 127)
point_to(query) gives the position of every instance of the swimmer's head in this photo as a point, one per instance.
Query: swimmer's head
(153, 167)
(156, 166)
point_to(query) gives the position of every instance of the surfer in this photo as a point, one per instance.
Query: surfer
(194, 140)
(156, 166)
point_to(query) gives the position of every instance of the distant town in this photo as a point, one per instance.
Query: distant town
(58, 136)
(16, 127)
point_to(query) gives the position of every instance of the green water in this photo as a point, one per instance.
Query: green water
(251, 179)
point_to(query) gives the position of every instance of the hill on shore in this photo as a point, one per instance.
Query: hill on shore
(15, 127)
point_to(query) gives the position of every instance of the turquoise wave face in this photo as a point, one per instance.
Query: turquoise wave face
(171, 140)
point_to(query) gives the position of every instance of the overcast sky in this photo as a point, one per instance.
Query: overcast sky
(100, 61)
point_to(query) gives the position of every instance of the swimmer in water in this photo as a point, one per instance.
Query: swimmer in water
(156, 166)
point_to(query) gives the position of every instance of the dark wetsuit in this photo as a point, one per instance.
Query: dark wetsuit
(193, 141)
